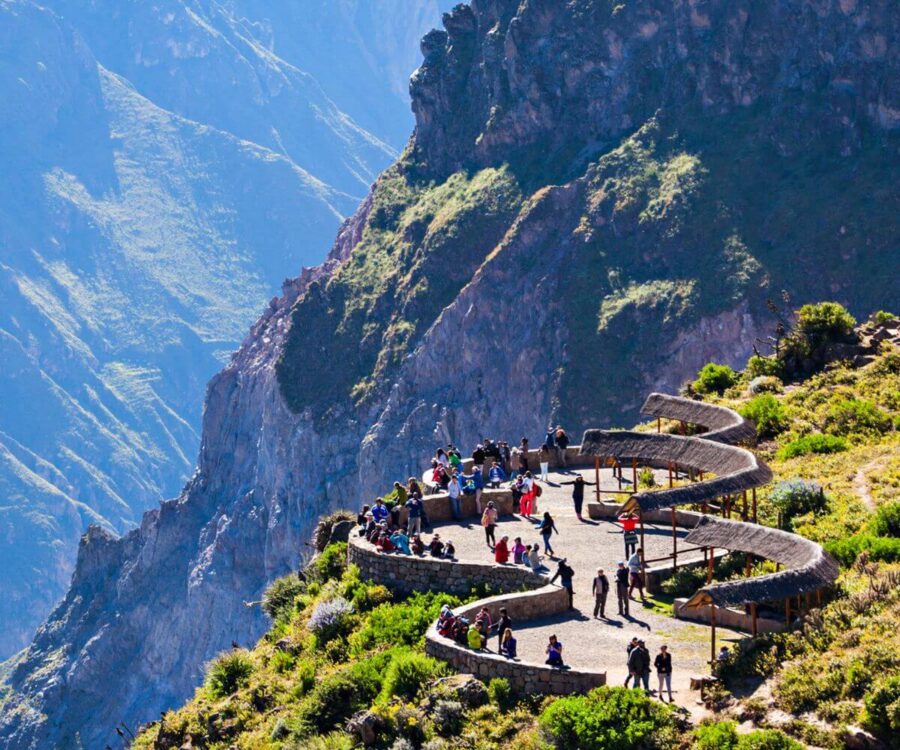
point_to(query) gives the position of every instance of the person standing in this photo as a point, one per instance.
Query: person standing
(501, 551)
(489, 522)
(600, 590)
(578, 485)
(478, 481)
(622, 588)
(629, 533)
(562, 442)
(645, 665)
(565, 573)
(454, 490)
(546, 528)
(632, 645)
(478, 457)
(544, 461)
(636, 575)
(414, 520)
(504, 623)
(663, 664)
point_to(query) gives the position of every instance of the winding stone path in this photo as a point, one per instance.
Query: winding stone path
(587, 545)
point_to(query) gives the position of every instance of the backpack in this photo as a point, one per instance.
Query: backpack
(537, 490)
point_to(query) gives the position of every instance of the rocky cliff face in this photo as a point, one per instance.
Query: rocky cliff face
(597, 199)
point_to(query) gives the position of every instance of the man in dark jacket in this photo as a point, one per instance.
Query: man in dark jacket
(562, 442)
(622, 588)
(565, 574)
(502, 624)
(600, 589)
(638, 663)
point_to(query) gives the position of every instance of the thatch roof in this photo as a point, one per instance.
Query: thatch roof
(736, 469)
(807, 566)
(723, 425)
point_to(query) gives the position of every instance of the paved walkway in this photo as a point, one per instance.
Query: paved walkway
(587, 545)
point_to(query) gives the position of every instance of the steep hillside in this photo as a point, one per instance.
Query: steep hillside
(299, 685)
(167, 170)
(597, 200)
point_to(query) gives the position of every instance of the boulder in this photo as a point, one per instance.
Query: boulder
(466, 688)
(366, 725)
(855, 738)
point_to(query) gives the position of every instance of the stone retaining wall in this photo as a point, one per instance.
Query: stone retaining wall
(438, 508)
(408, 573)
(524, 677)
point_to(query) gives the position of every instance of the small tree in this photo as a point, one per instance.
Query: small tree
(767, 413)
(797, 497)
(229, 672)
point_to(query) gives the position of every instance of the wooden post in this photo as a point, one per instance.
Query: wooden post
(681, 427)
(597, 477)
(671, 478)
(787, 611)
(744, 515)
(643, 553)
(658, 424)
(634, 474)
(674, 542)
(808, 602)
(754, 505)
(712, 621)
(712, 560)
(818, 597)
(747, 565)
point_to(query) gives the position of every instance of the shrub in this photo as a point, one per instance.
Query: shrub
(765, 384)
(816, 443)
(331, 563)
(767, 413)
(767, 739)
(797, 497)
(401, 624)
(883, 710)
(646, 477)
(406, 674)
(824, 323)
(883, 316)
(855, 416)
(337, 697)
(879, 549)
(720, 735)
(714, 378)
(229, 672)
(447, 716)
(282, 662)
(370, 596)
(887, 520)
(280, 597)
(762, 367)
(609, 719)
(331, 619)
(501, 693)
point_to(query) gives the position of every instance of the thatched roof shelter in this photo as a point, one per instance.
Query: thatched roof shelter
(735, 469)
(722, 425)
(808, 567)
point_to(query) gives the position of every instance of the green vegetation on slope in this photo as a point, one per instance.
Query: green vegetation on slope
(422, 242)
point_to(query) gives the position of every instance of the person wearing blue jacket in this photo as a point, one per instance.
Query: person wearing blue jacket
(496, 475)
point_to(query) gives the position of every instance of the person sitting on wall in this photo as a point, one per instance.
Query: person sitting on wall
(496, 475)
(554, 652)
(376, 531)
(397, 496)
(491, 450)
(436, 546)
(504, 623)
(477, 637)
(455, 458)
(483, 618)
(449, 551)
(501, 551)
(380, 511)
(361, 519)
(519, 551)
(417, 545)
(442, 458)
(401, 541)
(413, 489)
(508, 644)
(534, 558)
(439, 476)
(384, 543)
(445, 620)
(478, 457)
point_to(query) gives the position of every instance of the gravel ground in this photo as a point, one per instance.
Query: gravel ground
(587, 545)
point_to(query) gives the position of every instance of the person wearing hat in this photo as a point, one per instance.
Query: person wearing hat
(622, 588)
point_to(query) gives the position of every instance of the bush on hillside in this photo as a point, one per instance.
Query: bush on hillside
(855, 416)
(765, 384)
(501, 693)
(887, 520)
(879, 549)
(797, 497)
(883, 316)
(331, 563)
(338, 696)
(761, 367)
(646, 477)
(767, 739)
(401, 624)
(719, 735)
(331, 619)
(610, 719)
(883, 711)
(714, 378)
(229, 672)
(824, 323)
(407, 673)
(767, 413)
(815, 443)
(279, 599)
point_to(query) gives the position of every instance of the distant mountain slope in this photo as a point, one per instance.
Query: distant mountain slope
(163, 172)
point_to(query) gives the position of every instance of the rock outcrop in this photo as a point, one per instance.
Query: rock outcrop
(596, 200)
